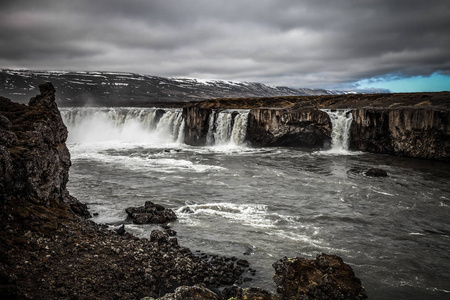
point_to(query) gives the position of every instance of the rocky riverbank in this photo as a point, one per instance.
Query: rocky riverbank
(49, 249)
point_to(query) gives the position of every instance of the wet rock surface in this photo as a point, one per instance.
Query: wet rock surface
(150, 213)
(421, 132)
(326, 277)
(308, 127)
(376, 172)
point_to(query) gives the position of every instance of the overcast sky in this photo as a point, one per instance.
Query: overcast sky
(299, 43)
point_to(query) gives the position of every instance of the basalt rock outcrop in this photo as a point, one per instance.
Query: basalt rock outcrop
(151, 213)
(422, 132)
(196, 125)
(309, 127)
(35, 161)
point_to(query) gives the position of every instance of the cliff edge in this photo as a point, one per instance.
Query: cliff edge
(34, 159)
(407, 124)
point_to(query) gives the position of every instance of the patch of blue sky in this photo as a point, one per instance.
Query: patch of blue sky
(436, 82)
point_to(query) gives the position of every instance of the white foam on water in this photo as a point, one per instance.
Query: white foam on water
(255, 215)
(138, 163)
(149, 126)
(299, 237)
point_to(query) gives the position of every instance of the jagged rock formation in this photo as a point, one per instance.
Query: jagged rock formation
(35, 161)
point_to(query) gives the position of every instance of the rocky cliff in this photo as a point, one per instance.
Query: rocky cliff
(267, 127)
(413, 132)
(35, 161)
(196, 121)
(411, 125)
(308, 127)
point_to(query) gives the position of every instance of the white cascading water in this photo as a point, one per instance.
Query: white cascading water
(224, 129)
(341, 120)
(129, 125)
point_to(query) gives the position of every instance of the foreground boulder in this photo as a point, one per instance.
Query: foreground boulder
(151, 213)
(326, 277)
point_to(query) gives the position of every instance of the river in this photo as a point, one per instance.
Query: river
(261, 204)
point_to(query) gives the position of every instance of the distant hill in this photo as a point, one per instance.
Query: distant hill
(129, 89)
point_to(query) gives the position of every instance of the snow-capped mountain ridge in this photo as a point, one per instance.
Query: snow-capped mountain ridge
(117, 88)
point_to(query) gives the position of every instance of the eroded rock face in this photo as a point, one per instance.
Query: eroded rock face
(309, 127)
(412, 132)
(326, 277)
(196, 121)
(35, 161)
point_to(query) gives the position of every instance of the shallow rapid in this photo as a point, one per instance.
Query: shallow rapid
(261, 204)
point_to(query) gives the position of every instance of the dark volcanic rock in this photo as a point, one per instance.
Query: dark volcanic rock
(421, 132)
(376, 172)
(35, 161)
(196, 292)
(326, 277)
(253, 293)
(196, 121)
(308, 127)
(413, 125)
(151, 213)
(121, 230)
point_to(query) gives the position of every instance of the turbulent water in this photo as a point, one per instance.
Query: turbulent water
(261, 204)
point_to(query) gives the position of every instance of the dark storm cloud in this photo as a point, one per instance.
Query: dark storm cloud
(296, 43)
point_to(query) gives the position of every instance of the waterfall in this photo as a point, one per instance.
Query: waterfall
(131, 125)
(227, 127)
(341, 120)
